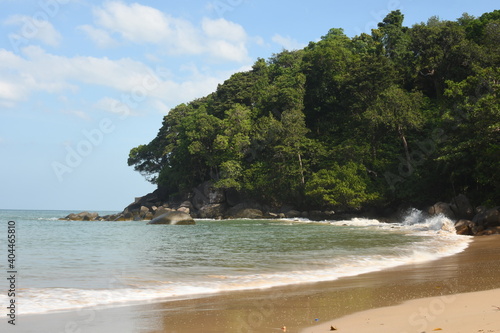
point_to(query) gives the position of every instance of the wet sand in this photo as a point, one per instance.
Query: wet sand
(301, 308)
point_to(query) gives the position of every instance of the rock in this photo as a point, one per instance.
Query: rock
(199, 200)
(143, 211)
(177, 218)
(148, 216)
(186, 204)
(488, 218)
(212, 211)
(465, 227)
(184, 210)
(233, 197)
(247, 213)
(83, 216)
(442, 208)
(214, 195)
(293, 214)
(317, 215)
(489, 231)
(161, 210)
(461, 207)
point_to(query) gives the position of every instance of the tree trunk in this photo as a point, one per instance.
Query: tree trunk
(303, 181)
(405, 144)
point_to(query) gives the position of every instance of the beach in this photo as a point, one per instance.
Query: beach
(384, 301)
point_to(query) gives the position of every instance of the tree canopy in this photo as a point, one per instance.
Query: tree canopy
(404, 114)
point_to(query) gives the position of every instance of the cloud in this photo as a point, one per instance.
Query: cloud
(140, 24)
(287, 42)
(31, 28)
(100, 37)
(128, 81)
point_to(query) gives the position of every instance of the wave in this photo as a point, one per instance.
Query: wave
(437, 239)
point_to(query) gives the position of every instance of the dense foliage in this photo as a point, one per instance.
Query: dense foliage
(401, 115)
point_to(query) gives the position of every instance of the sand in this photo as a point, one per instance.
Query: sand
(460, 313)
(388, 301)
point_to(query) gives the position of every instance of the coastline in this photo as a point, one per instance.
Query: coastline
(299, 307)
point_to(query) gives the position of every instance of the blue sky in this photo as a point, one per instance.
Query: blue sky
(82, 82)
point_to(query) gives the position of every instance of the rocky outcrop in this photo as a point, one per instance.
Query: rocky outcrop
(173, 218)
(441, 208)
(469, 221)
(461, 207)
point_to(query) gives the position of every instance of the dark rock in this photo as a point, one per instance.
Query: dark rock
(293, 214)
(442, 208)
(214, 195)
(233, 197)
(489, 231)
(465, 227)
(488, 218)
(177, 218)
(461, 207)
(212, 211)
(317, 215)
(247, 213)
(199, 200)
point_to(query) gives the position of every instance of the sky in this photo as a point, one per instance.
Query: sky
(82, 82)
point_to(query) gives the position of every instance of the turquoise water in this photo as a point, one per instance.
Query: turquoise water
(64, 265)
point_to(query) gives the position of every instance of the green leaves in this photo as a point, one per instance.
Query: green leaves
(323, 125)
(343, 186)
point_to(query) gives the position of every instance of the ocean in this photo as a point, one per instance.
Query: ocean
(67, 265)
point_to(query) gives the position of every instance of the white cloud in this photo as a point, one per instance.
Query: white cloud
(35, 70)
(31, 28)
(287, 42)
(100, 37)
(136, 23)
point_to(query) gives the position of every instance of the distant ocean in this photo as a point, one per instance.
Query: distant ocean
(66, 265)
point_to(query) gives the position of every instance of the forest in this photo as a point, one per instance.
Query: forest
(404, 115)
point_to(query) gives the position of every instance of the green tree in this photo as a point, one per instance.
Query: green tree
(345, 187)
(399, 111)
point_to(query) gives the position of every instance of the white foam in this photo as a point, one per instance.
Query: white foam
(439, 240)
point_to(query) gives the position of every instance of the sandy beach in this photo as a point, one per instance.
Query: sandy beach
(440, 295)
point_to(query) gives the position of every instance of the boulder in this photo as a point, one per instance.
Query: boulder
(212, 211)
(465, 227)
(162, 210)
(184, 210)
(461, 207)
(233, 197)
(442, 208)
(317, 215)
(176, 218)
(83, 216)
(199, 199)
(293, 214)
(488, 218)
(247, 213)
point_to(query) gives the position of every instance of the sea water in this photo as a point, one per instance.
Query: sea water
(66, 265)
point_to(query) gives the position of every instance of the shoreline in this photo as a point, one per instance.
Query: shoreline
(299, 307)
